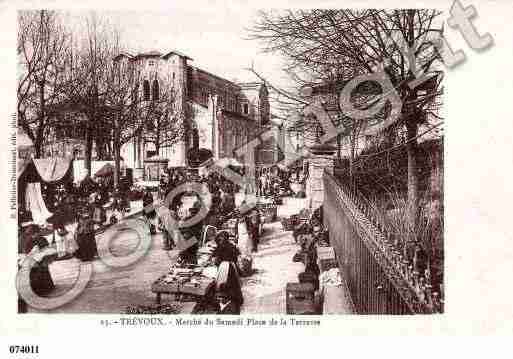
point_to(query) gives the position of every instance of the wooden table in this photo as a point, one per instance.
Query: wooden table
(202, 290)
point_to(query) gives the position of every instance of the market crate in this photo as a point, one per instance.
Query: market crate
(231, 226)
(326, 258)
(269, 212)
(309, 277)
(300, 298)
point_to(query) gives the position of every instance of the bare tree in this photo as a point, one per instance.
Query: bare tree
(168, 123)
(90, 61)
(42, 46)
(129, 113)
(348, 43)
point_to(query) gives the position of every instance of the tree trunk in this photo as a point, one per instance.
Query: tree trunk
(100, 147)
(40, 127)
(88, 148)
(117, 154)
(339, 146)
(413, 181)
(117, 164)
(157, 148)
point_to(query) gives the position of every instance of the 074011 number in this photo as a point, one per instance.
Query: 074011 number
(24, 349)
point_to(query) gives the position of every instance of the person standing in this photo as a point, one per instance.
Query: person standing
(85, 238)
(149, 211)
(41, 280)
(226, 305)
(253, 228)
(225, 250)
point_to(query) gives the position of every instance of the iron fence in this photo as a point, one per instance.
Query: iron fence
(381, 279)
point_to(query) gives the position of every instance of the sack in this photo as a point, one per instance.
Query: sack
(245, 264)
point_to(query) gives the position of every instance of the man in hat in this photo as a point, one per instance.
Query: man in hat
(253, 228)
(226, 305)
(197, 228)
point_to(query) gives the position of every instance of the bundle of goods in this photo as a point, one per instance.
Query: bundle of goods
(153, 309)
(309, 277)
(231, 225)
(300, 298)
(289, 223)
(245, 264)
(301, 194)
(331, 278)
(277, 200)
(269, 211)
(184, 280)
(135, 193)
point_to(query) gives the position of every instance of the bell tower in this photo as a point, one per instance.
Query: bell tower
(177, 73)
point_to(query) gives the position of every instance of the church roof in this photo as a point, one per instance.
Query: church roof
(124, 54)
(167, 54)
(151, 53)
(250, 85)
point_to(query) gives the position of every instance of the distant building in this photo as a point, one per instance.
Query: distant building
(225, 115)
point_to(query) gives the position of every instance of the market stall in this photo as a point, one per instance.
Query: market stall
(102, 167)
(36, 175)
(154, 167)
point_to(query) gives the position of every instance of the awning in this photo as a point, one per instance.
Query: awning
(51, 169)
(107, 170)
(198, 157)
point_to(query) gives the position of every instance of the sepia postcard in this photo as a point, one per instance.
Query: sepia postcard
(222, 166)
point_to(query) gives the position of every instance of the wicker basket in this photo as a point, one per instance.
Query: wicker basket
(300, 298)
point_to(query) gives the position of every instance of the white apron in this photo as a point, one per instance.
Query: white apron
(244, 241)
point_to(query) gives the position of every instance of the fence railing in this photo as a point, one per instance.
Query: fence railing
(381, 279)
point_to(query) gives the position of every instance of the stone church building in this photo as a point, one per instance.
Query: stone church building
(224, 115)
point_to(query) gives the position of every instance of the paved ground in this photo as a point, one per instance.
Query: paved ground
(264, 291)
(111, 290)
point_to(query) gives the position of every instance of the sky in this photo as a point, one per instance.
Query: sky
(214, 37)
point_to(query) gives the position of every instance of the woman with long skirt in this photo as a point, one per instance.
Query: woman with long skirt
(86, 241)
(40, 278)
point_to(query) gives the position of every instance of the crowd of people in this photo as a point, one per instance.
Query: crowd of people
(274, 181)
(221, 211)
(309, 234)
(80, 210)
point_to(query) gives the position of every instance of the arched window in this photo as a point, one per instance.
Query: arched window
(156, 90)
(146, 90)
